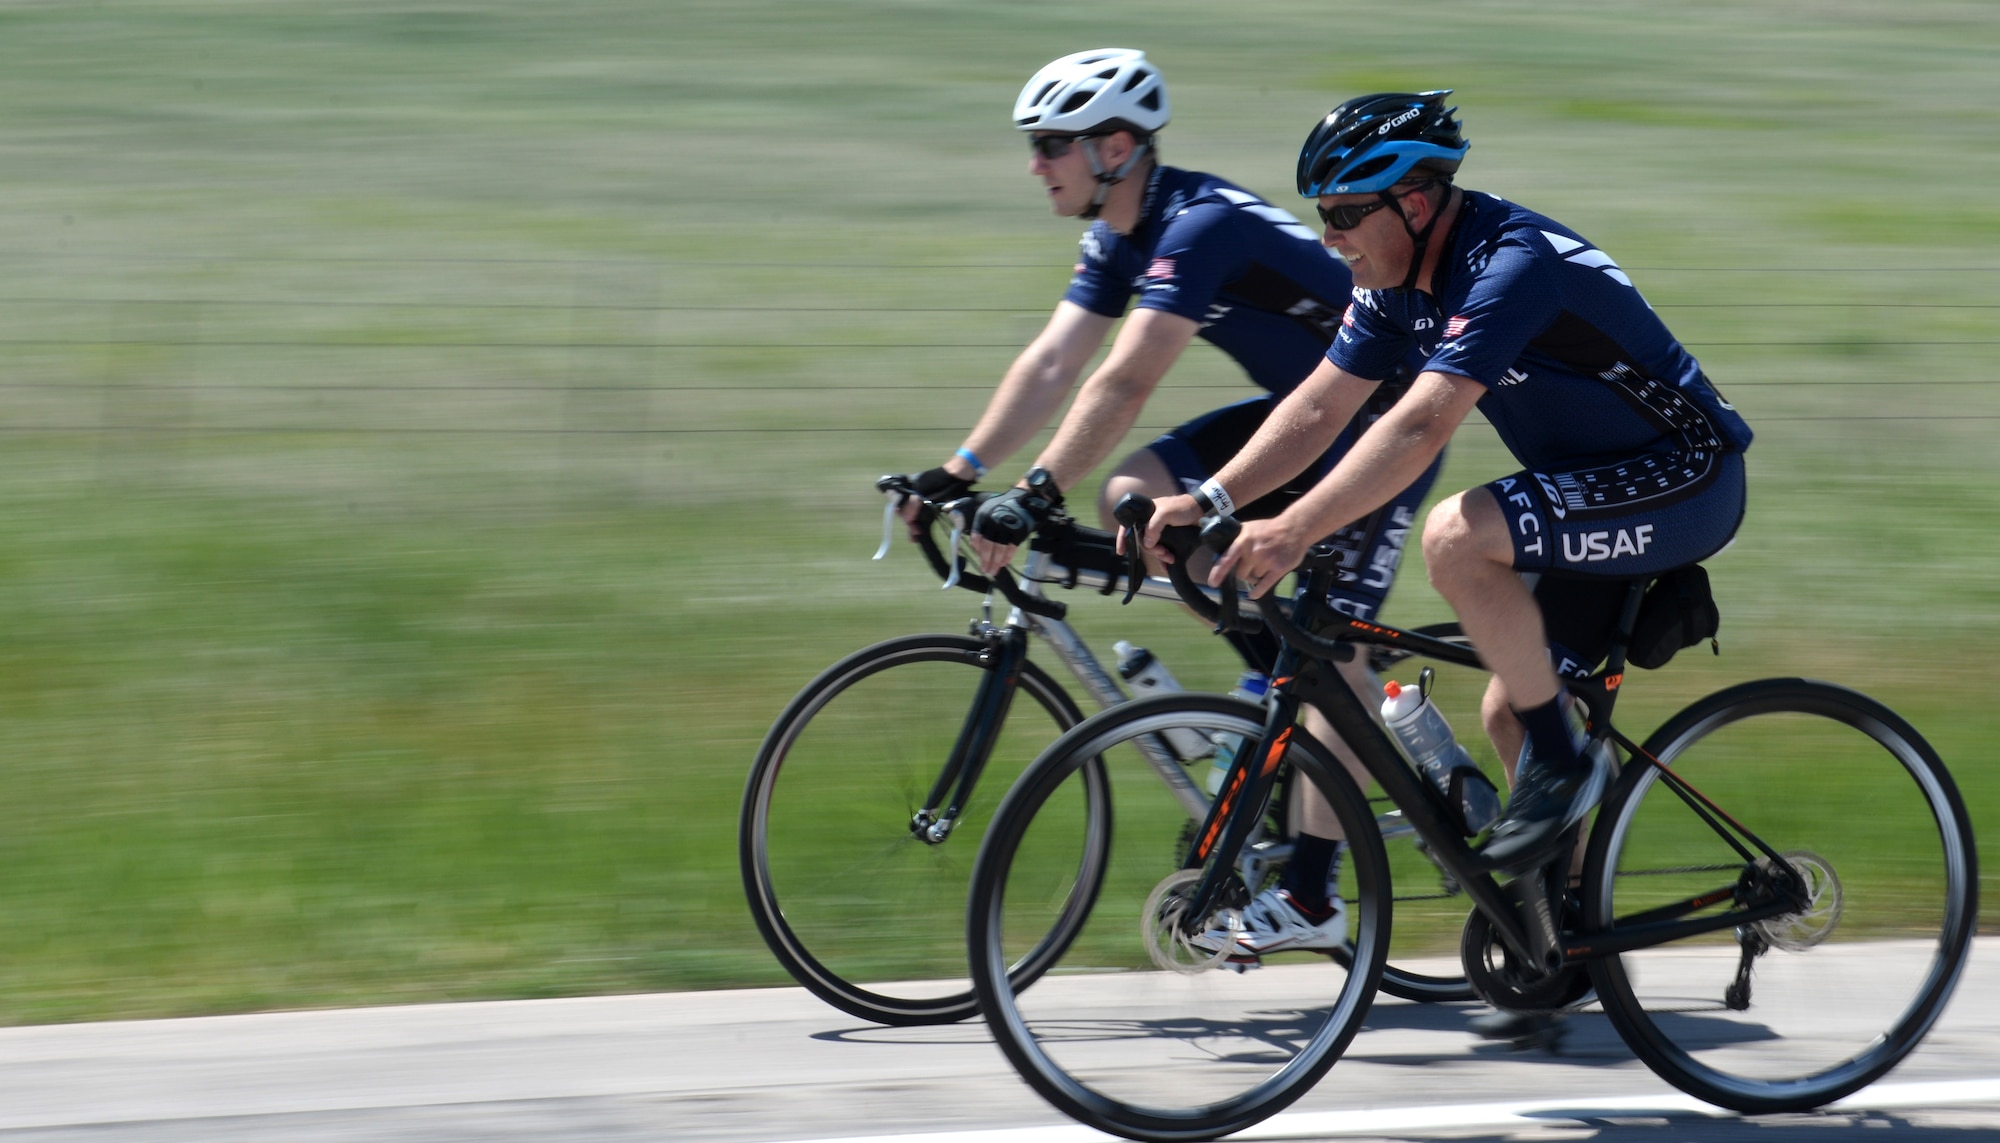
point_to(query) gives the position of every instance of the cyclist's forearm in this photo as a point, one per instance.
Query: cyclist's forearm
(1298, 431)
(1389, 456)
(1109, 404)
(1028, 396)
(1104, 411)
(1035, 385)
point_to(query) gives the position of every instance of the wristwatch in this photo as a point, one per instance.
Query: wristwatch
(1043, 485)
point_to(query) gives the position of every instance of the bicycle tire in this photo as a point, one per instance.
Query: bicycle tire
(1863, 809)
(860, 911)
(1191, 1054)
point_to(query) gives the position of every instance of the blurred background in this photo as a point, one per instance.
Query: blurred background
(439, 437)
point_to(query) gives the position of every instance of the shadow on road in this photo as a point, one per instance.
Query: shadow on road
(1584, 1126)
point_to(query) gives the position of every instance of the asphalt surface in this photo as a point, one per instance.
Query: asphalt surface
(777, 1066)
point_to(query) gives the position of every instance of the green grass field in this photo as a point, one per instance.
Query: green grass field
(439, 435)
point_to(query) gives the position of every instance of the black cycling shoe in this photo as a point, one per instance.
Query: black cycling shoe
(1547, 800)
(1521, 1030)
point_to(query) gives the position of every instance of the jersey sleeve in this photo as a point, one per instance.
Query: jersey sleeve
(1369, 344)
(1511, 300)
(1195, 255)
(1093, 285)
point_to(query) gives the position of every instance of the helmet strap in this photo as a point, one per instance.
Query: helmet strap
(1108, 179)
(1419, 240)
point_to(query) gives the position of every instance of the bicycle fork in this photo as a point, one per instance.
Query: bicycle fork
(1235, 812)
(1005, 652)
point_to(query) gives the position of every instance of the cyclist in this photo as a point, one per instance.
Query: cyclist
(1632, 460)
(1205, 258)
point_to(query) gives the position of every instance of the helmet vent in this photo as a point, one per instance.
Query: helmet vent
(1369, 169)
(1090, 93)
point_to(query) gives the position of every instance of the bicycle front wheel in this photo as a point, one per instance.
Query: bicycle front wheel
(857, 906)
(1797, 1010)
(1139, 1030)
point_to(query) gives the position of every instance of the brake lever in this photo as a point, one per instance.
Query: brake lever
(1134, 512)
(1135, 564)
(1217, 534)
(889, 517)
(895, 490)
(956, 512)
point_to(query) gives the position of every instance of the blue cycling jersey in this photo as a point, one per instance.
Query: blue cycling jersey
(1257, 280)
(1576, 365)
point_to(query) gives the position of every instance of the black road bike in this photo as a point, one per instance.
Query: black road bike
(1776, 899)
(871, 793)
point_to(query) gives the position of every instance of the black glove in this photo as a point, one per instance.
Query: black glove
(940, 485)
(1011, 517)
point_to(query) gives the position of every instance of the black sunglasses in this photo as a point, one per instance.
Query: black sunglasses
(1052, 147)
(1349, 216)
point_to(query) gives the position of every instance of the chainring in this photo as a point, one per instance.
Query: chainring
(1502, 982)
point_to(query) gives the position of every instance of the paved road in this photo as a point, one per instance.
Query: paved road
(775, 1065)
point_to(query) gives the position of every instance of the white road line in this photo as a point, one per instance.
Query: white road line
(1320, 1124)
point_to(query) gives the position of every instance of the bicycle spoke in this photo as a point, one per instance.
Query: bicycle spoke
(859, 909)
(1874, 860)
(1140, 1028)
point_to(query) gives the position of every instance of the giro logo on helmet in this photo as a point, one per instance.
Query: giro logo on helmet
(1398, 121)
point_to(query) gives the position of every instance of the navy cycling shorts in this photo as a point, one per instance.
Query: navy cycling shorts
(1595, 530)
(1370, 548)
(1641, 516)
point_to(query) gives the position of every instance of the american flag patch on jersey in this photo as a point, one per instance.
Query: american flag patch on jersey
(1454, 327)
(1161, 268)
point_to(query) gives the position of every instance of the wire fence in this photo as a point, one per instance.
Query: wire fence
(213, 339)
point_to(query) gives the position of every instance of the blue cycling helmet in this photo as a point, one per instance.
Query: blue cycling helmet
(1367, 144)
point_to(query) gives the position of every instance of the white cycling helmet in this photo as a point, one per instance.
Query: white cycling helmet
(1095, 92)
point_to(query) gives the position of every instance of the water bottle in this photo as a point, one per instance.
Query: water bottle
(1251, 686)
(1420, 727)
(1146, 675)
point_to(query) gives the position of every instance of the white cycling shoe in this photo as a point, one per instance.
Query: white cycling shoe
(1273, 924)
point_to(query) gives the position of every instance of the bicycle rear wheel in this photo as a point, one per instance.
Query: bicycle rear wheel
(1135, 1031)
(858, 908)
(1798, 1010)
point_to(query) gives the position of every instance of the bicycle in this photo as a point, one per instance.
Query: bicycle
(862, 809)
(1709, 934)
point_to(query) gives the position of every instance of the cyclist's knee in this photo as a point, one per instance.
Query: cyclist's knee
(1465, 532)
(1143, 473)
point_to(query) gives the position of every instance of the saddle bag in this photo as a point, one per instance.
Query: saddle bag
(1678, 611)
